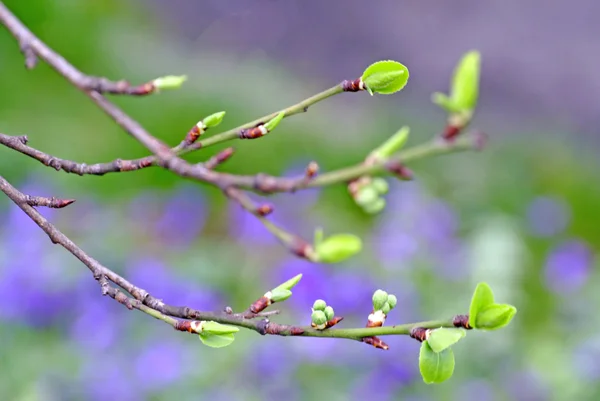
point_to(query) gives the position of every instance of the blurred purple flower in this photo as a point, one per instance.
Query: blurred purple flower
(153, 276)
(568, 266)
(109, 379)
(183, 216)
(547, 216)
(159, 365)
(274, 359)
(314, 284)
(373, 387)
(527, 386)
(97, 325)
(482, 388)
(586, 359)
(246, 228)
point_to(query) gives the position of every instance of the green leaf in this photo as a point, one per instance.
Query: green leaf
(169, 82)
(274, 122)
(218, 328)
(495, 316)
(280, 294)
(337, 248)
(442, 338)
(393, 144)
(385, 77)
(446, 103)
(216, 340)
(482, 297)
(291, 283)
(214, 119)
(435, 367)
(465, 83)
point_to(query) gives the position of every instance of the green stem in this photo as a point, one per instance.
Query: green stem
(427, 149)
(289, 111)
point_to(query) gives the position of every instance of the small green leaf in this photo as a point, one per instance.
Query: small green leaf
(218, 328)
(385, 77)
(280, 294)
(291, 283)
(329, 313)
(337, 248)
(214, 119)
(442, 100)
(169, 82)
(380, 298)
(216, 340)
(465, 83)
(319, 305)
(393, 144)
(496, 316)
(482, 297)
(435, 367)
(274, 122)
(442, 338)
(318, 317)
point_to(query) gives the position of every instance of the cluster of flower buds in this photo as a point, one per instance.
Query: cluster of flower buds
(277, 294)
(383, 303)
(200, 128)
(323, 316)
(368, 191)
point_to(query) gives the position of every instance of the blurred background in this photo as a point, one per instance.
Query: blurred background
(522, 215)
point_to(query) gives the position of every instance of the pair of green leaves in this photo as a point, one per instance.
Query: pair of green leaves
(436, 358)
(485, 313)
(464, 87)
(217, 335)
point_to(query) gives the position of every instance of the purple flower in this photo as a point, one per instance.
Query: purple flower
(314, 284)
(159, 365)
(586, 359)
(527, 386)
(97, 325)
(274, 359)
(568, 266)
(482, 388)
(109, 379)
(183, 216)
(548, 216)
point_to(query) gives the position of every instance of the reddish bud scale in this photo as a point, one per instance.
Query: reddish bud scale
(419, 334)
(462, 321)
(376, 342)
(219, 158)
(352, 86)
(450, 132)
(264, 210)
(334, 321)
(193, 135)
(260, 304)
(143, 90)
(399, 170)
(184, 325)
(251, 133)
(311, 170)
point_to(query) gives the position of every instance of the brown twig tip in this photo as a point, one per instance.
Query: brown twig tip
(260, 304)
(219, 158)
(376, 342)
(451, 131)
(462, 321)
(253, 133)
(192, 135)
(264, 210)
(419, 333)
(311, 170)
(353, 86)
(52, 202)
(399, 170)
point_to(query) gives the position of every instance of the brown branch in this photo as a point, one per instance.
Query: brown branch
(52, 202)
